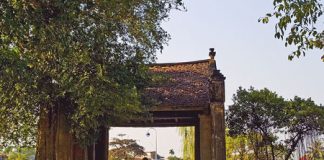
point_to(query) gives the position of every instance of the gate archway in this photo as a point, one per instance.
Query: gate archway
(189, 94)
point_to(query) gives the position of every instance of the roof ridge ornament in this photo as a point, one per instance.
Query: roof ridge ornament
(212, 53)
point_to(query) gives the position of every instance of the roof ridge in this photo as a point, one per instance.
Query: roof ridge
(180, 63)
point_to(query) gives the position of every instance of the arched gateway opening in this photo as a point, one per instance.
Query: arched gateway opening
(192, 94)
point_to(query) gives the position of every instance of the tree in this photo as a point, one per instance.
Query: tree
(302, 117)
(255, 113)
(298, 24)
(261, 115)
(188, 142)
(171, 152)
(126, 149)
(172, 156)
(82, 60)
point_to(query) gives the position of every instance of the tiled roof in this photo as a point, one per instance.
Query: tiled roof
(180, 84)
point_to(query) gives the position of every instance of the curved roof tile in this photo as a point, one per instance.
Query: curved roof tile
(181, 84)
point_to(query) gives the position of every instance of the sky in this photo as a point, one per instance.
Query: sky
(247, 54)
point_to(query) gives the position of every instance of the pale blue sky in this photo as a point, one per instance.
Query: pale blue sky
(247, 54)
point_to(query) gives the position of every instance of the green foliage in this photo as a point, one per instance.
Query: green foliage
(238, 147)
(188, 142)
(297, 24)
(85, 57)
(19, 153)
(260, 115)
(172, 156)
(302, 117)
(254, 110)
(126, 149)
(255, 114)
(316, 151)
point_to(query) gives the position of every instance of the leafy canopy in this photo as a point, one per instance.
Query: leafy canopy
(254, 110)
(299, 24)
(125, 149)
(82, 56)
(261, 115)
(256, 115)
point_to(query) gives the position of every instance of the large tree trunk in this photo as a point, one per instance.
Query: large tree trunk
(54, 140)
(101, 147)
(47, 128)
(56, 143)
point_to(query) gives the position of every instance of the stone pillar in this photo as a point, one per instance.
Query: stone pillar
(218, 123)
(205, 137)
(218, 115)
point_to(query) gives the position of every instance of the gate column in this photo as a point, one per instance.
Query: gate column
(205, 140)
(218, 115)
(218, 129)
